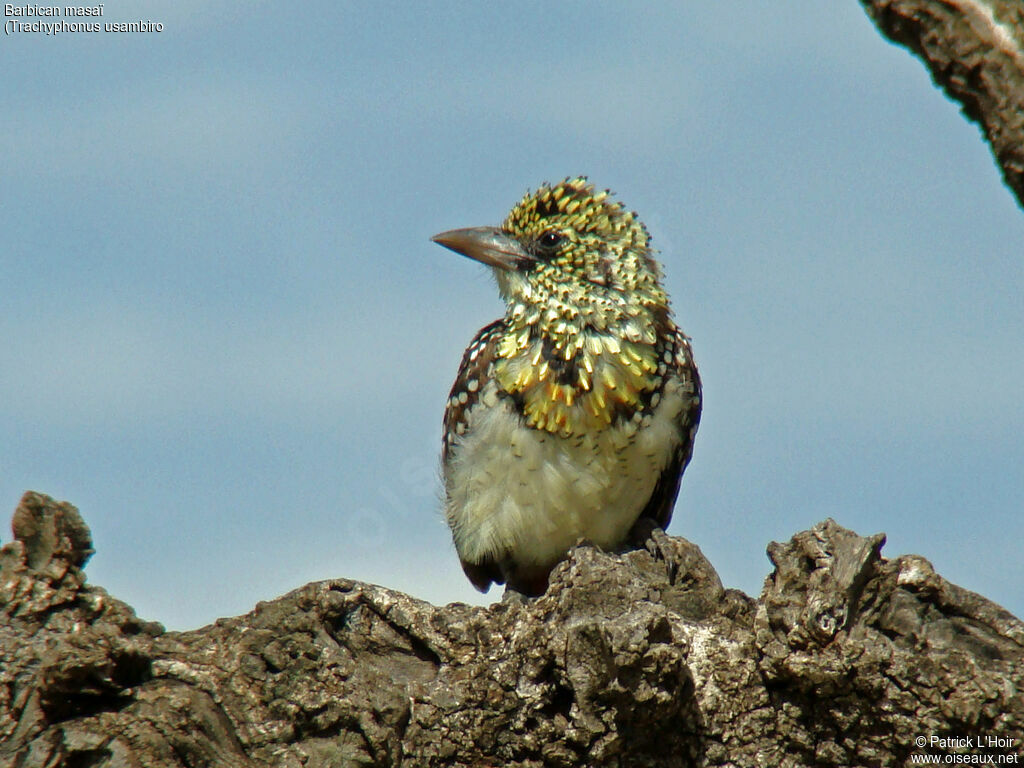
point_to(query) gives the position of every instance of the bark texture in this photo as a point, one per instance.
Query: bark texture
(974, 50)
(632, 659)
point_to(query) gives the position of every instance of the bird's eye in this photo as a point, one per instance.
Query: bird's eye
(549, 239)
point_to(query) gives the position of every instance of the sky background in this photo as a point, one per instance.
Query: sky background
(226, 336)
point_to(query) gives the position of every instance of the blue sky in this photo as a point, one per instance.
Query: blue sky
(227, 338)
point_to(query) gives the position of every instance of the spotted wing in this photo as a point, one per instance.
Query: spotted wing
(474, 372)
(663, 499)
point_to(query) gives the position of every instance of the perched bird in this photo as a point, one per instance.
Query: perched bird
(573, 416)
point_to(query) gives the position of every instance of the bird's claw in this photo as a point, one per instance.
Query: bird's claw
(646, 534)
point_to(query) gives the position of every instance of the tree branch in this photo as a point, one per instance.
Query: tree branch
(974, 50)
(627, 660)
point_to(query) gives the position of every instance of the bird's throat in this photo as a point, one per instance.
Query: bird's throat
(570, 380)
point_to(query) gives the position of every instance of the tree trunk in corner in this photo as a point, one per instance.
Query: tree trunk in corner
(974, 50)
(846, 659)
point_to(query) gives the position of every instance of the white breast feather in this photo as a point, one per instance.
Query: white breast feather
(516, 489)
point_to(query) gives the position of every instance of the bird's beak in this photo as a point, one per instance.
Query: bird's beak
(485, 244)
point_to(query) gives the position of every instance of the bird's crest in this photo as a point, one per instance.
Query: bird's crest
(575, 206)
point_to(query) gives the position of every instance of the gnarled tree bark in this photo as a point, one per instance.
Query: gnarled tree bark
(974, 50)
(629, 659)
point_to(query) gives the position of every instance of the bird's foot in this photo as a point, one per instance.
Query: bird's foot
(646, 534)
(527, 582)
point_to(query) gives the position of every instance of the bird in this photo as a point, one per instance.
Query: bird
(573, 416)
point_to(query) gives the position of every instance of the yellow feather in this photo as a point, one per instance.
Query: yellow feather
(608, 377)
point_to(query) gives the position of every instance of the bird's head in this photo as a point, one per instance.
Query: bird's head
(571, 248)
